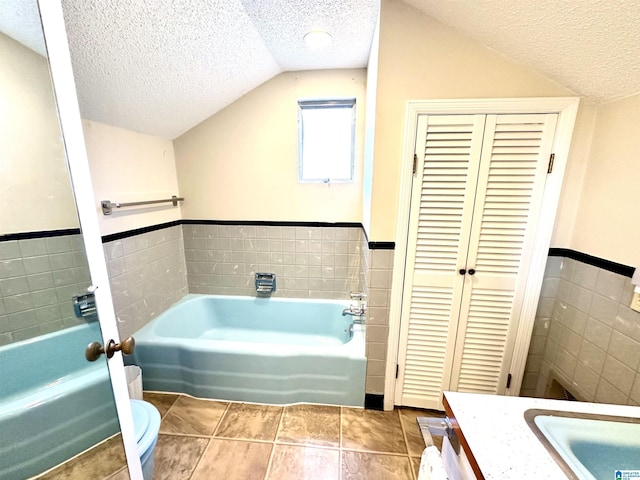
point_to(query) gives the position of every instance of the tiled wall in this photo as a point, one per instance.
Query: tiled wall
(38, 278)
(309, 262)
(147, 274)
(378, 273)
(586, 334)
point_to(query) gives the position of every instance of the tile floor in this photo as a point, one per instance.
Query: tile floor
(203, 439)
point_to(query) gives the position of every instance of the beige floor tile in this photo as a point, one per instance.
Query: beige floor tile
(304, 463)
(176, 456)
(311, 425)
(121, 475)
(99, 462)
(365, 466)
(372, 430)
(233, 460)
(193, 416)
(415, 442)
(162, 401)
(415, 465)
(249, 421)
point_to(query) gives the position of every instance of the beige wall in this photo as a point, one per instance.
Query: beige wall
(35, 189)
(421, 58)
(128, 166)
(370, 128)
(607, 221)
(241, 163)
(574, 175)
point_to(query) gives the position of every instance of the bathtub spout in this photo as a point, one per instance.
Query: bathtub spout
(356, 321)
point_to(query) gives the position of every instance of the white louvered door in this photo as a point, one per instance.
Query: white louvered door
(448, 150)
(475, 204)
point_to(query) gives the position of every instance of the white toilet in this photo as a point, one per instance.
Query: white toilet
(146, 422)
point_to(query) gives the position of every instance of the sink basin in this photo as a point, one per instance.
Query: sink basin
(589, 446)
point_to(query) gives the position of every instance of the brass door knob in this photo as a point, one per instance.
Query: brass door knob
(95, 349)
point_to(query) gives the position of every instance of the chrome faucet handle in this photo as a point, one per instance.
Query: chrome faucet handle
(357, 296)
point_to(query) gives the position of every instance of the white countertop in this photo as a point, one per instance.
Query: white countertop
(500, 440)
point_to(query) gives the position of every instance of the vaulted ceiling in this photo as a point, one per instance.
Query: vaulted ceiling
(590, 46)
(163, 66)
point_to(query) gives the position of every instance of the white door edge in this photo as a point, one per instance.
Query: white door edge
(73, 138)
(566, 108)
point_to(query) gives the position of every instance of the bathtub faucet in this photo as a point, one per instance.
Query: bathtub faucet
(356, 311)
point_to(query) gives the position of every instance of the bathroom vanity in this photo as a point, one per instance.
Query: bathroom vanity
(500, 443)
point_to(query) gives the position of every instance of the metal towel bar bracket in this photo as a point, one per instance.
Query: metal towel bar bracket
(108, 205)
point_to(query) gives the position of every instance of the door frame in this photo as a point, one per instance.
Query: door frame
(73, 139)
(566, 108)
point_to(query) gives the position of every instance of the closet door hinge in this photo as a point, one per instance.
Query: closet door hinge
(552, 157)
(508, 381)
(415, 163)
(397, 369)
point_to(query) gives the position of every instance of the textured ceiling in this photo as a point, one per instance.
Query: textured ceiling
(163, 66)
(20, 20)
(589, 46)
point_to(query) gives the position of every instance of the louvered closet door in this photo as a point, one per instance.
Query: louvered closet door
(448, 149)
(515, 156)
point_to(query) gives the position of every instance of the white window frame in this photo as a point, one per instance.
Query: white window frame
(322, 104)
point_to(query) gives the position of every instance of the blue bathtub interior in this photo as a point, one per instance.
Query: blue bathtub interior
(256, 320)
(275, 351)
(54, 403)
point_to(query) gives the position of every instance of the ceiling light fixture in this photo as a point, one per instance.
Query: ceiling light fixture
(317, 39)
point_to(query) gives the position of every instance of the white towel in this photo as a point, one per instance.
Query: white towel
(431, 467)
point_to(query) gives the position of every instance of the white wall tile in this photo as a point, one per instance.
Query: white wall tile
(590, 309)
(603, 309)
(610, 285)
(627, 322)
(533, 364)
(564, 288)
(597, 333)
(627, 292)
(545, 306)
(550, 350)
(586, 380)
(566, 362)
(550, 287)
(580, 298)
(568, 268)
(625, 349)
(635, 389)
(554, 267)
(607, 393)
(571, 342)
(591, 356)
(618, 374)
(39, 278)
(585, 275)
(575, 320)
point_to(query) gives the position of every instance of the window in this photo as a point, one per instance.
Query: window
(326, 136)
